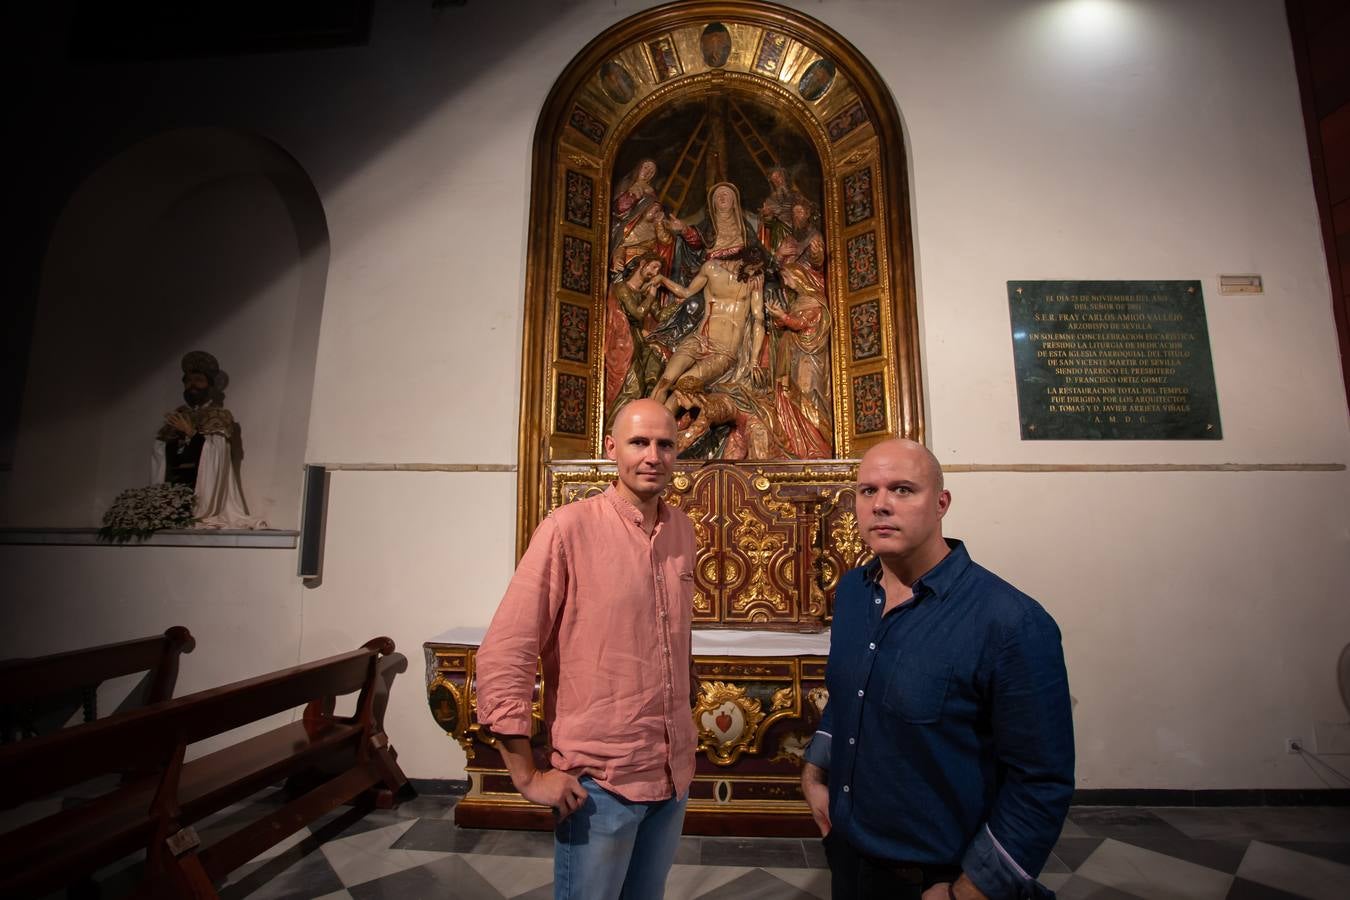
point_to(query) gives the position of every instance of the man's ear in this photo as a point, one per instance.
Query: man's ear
(609, 446)
(944, 501)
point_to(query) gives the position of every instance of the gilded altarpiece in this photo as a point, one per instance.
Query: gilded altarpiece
(720, 220)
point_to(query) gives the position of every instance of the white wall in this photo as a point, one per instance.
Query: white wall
(1202, 612)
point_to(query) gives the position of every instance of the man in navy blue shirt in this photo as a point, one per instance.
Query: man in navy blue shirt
(943, 766)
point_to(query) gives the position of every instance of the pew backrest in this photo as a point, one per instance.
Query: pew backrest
(26, 682)
(151, 737)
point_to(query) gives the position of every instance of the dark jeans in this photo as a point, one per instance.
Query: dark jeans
(857, 877)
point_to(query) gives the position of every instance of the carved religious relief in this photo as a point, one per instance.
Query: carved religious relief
(719, 221)
(718, 304)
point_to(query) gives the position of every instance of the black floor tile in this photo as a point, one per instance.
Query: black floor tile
(1079, 888)
(757, 885)
(1123, 823)
(1243, 889)
(781, 853)
(426, 808)
(347, 821)
(689, 852)
(1224, 856)
(1332, 850)
(443, 836)
(1055, 864)
(815, 853)
(449, 877)
(520, 843)
(1073, 852)
(300, 872)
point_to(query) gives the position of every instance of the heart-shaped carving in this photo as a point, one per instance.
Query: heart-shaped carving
(723, 722)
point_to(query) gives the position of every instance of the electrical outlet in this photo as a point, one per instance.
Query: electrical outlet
(1293, 745)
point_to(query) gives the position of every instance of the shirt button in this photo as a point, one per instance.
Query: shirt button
(845, 789)
(872, 646)
(852, 741)
(877, 601)
(860, 693)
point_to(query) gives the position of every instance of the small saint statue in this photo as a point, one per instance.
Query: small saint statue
(195, 447)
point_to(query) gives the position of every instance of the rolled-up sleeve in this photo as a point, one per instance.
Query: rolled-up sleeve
(1033, 736)
(818, 751)
(509, 656)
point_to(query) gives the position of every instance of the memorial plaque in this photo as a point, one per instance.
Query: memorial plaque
(1113, 360)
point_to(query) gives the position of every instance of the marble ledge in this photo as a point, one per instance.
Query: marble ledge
(268, 539)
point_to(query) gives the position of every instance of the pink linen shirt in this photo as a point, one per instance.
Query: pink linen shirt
(607, 607)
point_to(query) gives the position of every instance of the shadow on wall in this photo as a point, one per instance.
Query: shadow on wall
(339, 108)
(194, 239)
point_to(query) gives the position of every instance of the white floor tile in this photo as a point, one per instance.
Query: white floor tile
(511, 875)
(1054, 880)
(1156, 876)
(1071, 829)
(688, 882)
(367, 856)
(1296, 873)
(266, 856)
(814, 881)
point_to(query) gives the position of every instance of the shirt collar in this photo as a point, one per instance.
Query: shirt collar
(938, 580)
(631, 512)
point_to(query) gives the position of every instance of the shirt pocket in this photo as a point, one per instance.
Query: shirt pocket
(917, 689)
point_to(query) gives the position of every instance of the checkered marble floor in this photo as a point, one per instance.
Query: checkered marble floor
(1104, 853)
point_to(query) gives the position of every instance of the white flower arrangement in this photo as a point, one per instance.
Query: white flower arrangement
(140, 512)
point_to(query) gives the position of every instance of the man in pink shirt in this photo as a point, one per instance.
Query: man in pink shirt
(603, 595)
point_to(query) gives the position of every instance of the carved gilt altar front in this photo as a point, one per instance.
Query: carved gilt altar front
(754, 716)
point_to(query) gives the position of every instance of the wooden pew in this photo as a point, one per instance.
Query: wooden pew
(337, 758)
(27, 685)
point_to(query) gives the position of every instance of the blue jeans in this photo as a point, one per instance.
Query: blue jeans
(611, 847)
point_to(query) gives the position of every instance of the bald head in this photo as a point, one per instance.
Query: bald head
(903, 447)
(639, 409)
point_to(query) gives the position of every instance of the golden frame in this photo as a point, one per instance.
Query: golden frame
(858, 135)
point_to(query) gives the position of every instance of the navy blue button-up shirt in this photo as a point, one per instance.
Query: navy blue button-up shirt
(948, 736)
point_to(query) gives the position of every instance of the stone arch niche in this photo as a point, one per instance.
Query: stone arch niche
(716, 92)
(200, 238)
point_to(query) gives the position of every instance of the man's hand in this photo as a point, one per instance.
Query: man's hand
(817, 794)
(962, 889)
(555, 788)
(547, 787)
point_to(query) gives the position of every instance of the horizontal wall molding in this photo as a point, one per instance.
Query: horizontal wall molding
(417, 467)
(948, 468)
(266, 539)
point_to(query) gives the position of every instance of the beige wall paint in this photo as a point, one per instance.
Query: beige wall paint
(1202, 612)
